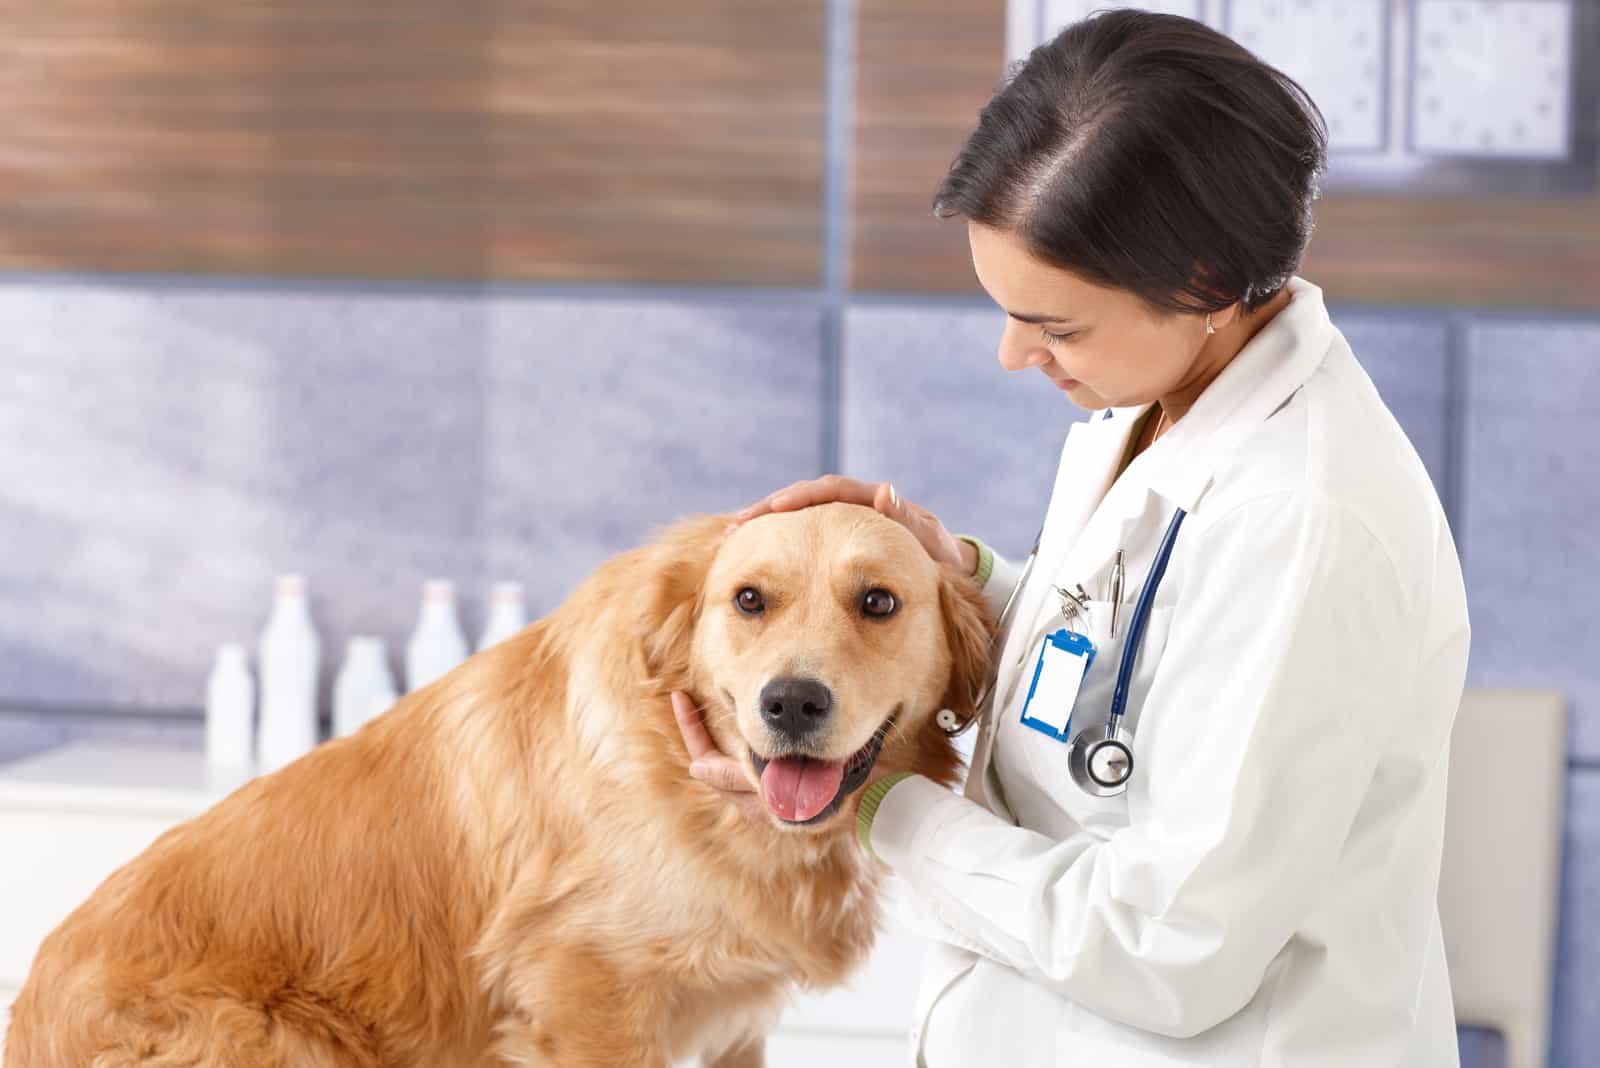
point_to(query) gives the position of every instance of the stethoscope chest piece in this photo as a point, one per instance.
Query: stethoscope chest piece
(1100, 760)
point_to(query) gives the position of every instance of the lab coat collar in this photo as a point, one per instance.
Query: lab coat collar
(1179, 467)
(1259, 380)
(1090, 509)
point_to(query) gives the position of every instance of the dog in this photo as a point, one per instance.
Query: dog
(512, 866)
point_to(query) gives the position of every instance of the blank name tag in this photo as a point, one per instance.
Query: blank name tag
(1064, 659)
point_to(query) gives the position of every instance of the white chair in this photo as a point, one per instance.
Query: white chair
(1499, 882)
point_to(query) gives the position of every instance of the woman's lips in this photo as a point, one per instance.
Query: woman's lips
(1066, 384)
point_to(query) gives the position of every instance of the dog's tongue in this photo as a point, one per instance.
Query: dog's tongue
(797, 788)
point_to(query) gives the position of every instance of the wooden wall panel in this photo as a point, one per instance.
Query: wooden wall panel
(1472, 251)
(928, 66)
(924, 69)
(516, 139)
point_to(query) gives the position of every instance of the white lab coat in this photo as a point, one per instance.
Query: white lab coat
(1264, 892)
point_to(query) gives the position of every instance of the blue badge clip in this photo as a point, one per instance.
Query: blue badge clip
(1075, 645)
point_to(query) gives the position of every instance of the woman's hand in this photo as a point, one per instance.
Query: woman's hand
(711, 765)
(940, 544)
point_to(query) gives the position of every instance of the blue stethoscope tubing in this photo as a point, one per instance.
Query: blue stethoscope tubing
(1100, 757)
(1141, 617)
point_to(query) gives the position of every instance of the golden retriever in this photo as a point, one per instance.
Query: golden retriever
(513, 866)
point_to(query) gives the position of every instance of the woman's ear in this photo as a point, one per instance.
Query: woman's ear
(969, 633)
(1226, 316)
(672, 574)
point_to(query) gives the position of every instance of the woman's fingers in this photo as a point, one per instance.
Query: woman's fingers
(936, 541)
(808, 492)
(724, 773)
(695, 736)
(706, 762)
(822, 490)
(882, 496)
(886, 500)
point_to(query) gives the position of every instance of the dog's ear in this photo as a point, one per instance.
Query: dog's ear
(969, 632)
(675, 567)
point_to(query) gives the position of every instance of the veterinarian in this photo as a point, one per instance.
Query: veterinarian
(1256, 885)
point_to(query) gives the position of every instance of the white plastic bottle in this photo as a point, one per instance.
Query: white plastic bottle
(230, 709)
(364, 687)
(288, 658)
(508, 613)
(437, 644)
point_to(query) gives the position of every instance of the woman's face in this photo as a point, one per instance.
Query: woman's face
(1102, 347)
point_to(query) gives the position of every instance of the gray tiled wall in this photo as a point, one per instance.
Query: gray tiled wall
(1530, 510)
(164, 451)
(1528, 523)
(925, 403)
(165, 448)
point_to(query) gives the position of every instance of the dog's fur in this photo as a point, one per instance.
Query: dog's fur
(513, 866)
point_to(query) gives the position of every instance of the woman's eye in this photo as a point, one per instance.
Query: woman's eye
(749, 601)
(878, 603)
(1056, 339)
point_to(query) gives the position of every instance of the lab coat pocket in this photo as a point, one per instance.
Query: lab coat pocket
(1046, 758)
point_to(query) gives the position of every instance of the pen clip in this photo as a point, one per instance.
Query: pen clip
(1117, 578)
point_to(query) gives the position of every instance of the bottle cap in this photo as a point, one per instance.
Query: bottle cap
(438, 590)
(289, 586)
(507, 593)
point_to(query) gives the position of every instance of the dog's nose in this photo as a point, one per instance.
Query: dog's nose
(795, 707)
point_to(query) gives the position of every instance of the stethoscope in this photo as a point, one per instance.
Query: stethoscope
(1100, 757)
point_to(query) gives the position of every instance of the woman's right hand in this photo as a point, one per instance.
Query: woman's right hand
(940, 544)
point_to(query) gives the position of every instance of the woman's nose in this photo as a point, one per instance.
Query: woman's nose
(1019, 351)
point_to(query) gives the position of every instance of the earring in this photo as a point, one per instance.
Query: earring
(1209, 328)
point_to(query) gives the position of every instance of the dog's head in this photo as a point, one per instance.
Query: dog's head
(821, 644)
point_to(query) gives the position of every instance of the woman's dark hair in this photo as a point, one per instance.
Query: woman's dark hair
(1149, 153)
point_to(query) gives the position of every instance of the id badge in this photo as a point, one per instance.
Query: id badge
(1064, 659)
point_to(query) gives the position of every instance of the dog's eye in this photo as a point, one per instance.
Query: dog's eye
(879, 603)
(749, 601)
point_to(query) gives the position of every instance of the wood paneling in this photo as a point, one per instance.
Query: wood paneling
(928, 66)
(518, 139)
(924, 69)
(1470, 251)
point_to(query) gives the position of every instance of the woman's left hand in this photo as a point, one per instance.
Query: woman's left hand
(711, 765)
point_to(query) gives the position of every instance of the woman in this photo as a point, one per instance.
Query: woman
(1258, 887)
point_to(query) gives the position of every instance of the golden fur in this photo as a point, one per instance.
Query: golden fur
(513, 866)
